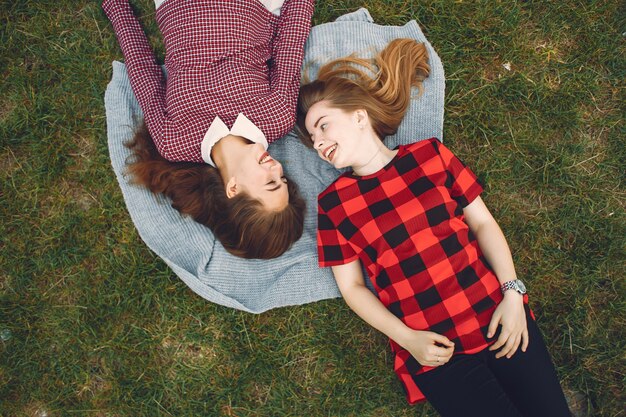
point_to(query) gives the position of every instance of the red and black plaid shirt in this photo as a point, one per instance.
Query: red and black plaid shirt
(222, 58)
(405, 223)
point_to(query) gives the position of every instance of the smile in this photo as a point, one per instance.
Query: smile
(329, 152)
(265, 158)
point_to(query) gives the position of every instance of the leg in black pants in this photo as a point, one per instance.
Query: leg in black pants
(481, 385)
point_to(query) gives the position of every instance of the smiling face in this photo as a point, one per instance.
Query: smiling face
(260, 176)
(335, 133)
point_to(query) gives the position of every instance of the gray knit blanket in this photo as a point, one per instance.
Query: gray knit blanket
(191, 250)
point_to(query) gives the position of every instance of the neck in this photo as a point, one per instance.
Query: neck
(378, 158)
(225, 150)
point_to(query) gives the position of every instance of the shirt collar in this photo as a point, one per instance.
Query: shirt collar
(242, 127)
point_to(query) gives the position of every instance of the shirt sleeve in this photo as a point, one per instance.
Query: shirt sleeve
(145, 75)
(463, 184)
(287, 50)
(332, 247)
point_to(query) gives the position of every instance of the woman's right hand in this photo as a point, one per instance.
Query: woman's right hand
(428, 348)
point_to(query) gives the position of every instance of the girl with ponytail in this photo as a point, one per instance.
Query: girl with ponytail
(448, 296)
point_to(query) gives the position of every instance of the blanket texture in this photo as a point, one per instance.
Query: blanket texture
(191, 250)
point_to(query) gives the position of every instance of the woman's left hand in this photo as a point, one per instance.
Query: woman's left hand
(511, 316)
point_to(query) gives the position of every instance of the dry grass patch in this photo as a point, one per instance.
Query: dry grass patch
(37, 409)
(7, 107)
(551, 50)
(312, 371)
(76, 193)
(528, 202)
(86, 148)
(64, 194)
(259, 393)
(189, 352)
(5, 283)
(9, 163)
(495, 70)
(97, 382)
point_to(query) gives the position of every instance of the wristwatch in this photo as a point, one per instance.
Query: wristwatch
(516, 285)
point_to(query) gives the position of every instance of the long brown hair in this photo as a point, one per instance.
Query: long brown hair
(241, 223)
(385, 94)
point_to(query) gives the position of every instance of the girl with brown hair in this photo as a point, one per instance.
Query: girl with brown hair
(448, 296)
(233, 73)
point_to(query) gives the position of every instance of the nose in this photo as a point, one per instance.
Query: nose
(276, 171)
(317, 142)
(276, 168)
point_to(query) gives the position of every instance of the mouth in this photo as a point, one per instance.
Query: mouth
(329, 153)
(265, 157)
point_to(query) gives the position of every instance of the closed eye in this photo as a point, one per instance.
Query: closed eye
(275, 185)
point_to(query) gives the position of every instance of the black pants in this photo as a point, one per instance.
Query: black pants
(481, 385)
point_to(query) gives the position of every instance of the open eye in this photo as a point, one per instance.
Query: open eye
(284, 179)
(323, 126)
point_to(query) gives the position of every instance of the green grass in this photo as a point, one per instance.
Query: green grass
(92, 323)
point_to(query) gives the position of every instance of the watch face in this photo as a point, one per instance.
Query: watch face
(521, 286)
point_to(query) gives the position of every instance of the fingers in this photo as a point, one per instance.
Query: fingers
(493, 324)
(510, 342)
(503, 343)
(500, 342)
(510, 347)
(525, 339)
(442, 353)
(438, 360)
(506, 347)
(441, 339)
(436, 355)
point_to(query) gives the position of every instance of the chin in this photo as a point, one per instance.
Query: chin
(341, 162)
(333, 163)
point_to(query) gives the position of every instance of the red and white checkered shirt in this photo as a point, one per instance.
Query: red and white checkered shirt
(223, 58)
(405, 223)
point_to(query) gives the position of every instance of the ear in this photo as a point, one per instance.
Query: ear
(362, 118)
(231, 187)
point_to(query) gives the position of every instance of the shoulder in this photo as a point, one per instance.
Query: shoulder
(331, 197)
(424, 145)
(419, 152)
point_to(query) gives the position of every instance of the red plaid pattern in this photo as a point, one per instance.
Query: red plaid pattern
(405, 223)
(222, 58)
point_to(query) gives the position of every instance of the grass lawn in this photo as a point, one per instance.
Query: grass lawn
(92, 323)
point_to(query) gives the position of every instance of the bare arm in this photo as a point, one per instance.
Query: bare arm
(428, 348)
(510, 313)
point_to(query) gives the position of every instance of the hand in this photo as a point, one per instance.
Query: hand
(428, 348)
(511, 316)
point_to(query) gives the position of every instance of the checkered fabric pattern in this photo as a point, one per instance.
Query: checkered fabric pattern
(222, 58)
(405, 223)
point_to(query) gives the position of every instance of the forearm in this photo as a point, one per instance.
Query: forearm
(491, 240)
(367, 306)
(496, 250)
